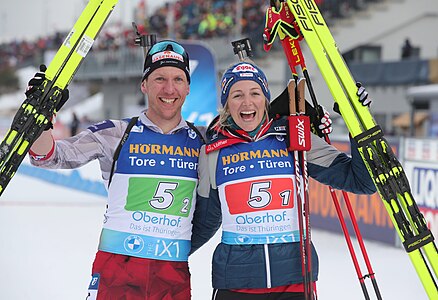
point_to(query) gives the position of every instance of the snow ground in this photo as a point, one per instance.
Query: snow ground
(49, 237)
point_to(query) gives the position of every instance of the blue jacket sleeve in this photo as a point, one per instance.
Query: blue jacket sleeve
(331, 167)
(206, 220)
(207, 217)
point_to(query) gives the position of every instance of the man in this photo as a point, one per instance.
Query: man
(151, 179)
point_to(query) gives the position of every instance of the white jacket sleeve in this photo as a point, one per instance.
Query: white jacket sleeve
(98, 141)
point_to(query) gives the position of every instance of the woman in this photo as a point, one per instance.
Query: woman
(251, 192)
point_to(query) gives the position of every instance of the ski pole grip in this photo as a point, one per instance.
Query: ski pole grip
(292, 98)
(300, 96)
(298, 124)
(299, 133)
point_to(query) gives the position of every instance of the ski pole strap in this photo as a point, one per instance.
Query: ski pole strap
(299, 133)
(119, 147)
(365, 138)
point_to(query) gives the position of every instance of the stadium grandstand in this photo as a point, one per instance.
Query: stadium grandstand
(370, 34)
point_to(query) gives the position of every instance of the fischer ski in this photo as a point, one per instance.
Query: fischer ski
(280, 21)
(37, 110)
(383, 166)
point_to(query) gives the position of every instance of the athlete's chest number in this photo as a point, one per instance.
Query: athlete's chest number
(173, 197)
(243, 197)
(164, 197)
(260, 195)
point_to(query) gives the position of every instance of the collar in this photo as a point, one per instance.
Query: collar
(224, 137)
(149, 124)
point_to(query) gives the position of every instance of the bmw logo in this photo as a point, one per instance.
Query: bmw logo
(192, 134)
(243, 239)
(280, 138)
(134, 244)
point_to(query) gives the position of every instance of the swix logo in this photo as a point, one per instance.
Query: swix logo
(287, 12)
(301, 134)
(269, 15)
(244, 67)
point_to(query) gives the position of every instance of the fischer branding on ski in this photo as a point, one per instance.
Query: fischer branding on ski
(277, 16)
(383, 166)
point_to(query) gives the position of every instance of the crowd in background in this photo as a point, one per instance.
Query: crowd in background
(192, 19)
(200, 19)
(23, 52)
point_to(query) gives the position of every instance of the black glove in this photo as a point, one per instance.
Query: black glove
(33, 86)
(363, 98)
(36, 81)
(325, 124)
(280, 107)
(322, 124)
(363, 95)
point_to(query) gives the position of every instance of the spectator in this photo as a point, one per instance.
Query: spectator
(407, 49)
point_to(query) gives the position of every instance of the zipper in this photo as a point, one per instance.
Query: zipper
(268, 266)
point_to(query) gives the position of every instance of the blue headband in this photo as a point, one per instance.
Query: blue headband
(243, 71)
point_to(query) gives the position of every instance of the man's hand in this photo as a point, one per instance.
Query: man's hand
(36, 81)
(33, 86)
(363, 98)
(325, 125)
(363, 95)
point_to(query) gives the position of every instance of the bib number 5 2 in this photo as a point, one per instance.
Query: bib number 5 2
(163, 197)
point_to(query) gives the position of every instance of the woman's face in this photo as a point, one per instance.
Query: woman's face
(246, 103)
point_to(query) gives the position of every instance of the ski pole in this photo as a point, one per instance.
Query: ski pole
(383, 166)
(290, 41)
(346, 200)
(306, 132)
(299, 143)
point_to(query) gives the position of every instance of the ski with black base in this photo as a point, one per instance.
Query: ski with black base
(281, 22)
(383, 166)
(37, 110)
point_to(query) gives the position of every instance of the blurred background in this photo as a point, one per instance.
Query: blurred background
(390, 46)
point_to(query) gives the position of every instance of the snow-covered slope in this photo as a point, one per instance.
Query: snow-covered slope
(50, 233)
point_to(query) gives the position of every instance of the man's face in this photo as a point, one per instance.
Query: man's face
(166, 88)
